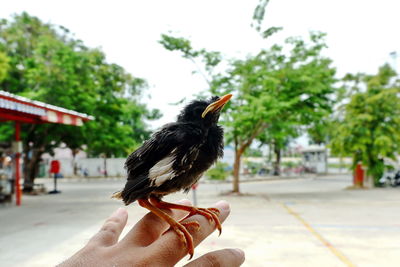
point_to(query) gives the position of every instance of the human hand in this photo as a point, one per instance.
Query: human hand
(146, 245)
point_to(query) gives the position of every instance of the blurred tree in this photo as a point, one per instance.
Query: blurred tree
(278, 135)
(220, 171)
(259, 14)
(319, 132)
(369, 125)
(3, 65)
(274, 92)
(253, 152)
(48, 64)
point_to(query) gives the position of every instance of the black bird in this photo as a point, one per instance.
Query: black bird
(174, 159)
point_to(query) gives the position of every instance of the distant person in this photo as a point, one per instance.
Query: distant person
(146, 245)
(85, 172)
(7, 166)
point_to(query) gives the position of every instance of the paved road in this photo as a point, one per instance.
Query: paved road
(298, 222)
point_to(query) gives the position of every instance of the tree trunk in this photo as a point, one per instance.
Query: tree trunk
(236, 170)
(240, 147)
(25, 171)
(369, 180)
(326, 159)
(74, 165)
(105, 167)
(270, 152)
(277, 163)
(31, 169)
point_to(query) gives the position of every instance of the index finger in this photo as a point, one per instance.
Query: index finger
(150, 227)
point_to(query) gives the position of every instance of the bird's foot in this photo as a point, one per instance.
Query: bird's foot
(211, 214)
(184, 236)
(193, 224)
(178, 227)
(215, 210)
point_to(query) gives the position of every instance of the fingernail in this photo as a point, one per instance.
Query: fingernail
(119, 212)
(223, 205)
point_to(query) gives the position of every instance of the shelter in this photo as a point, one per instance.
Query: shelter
(315, 159)
(24, 110)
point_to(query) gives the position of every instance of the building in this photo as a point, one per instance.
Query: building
(315, 159)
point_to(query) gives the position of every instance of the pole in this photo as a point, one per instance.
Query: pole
(194, 197)
(55, 191)
(194, 190)
(17, 163)
(55, 169)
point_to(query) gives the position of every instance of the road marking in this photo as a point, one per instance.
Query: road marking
(334, 250)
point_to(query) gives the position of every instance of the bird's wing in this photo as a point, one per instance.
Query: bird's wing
(164, 155)
(154, 149)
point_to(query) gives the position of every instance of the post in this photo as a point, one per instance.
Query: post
(194, 191)
(55, 191)
(358, 176)
(17, 170)
(55, 169)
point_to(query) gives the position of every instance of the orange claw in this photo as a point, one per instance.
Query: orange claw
(193, 224)
(211, 213)
(215, 210)
(179, 228)
(185, 237)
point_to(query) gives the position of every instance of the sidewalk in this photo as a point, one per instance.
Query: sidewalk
(297, 222)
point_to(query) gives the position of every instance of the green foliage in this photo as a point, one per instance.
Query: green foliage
(218, 172)
(209, 59)
(174, 43)
(4, 66)
(270, 31)
(275, 93)
(253, 167)
(48, 64)
(340, 165)
(259, 14)
(290, 164)
(369, 125)
(320, 132)
(253, 152)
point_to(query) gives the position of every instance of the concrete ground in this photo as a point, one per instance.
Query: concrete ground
(293, 222)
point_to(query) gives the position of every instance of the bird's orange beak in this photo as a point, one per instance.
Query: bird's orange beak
(217, 105)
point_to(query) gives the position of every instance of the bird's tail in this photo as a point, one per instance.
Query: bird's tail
(117, 195)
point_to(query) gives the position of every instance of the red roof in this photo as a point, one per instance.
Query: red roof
(18, 108)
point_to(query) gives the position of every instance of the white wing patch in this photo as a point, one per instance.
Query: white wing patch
(162, 171)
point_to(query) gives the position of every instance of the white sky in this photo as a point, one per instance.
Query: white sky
(361, 34)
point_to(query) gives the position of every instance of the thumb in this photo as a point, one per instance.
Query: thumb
(222, 258)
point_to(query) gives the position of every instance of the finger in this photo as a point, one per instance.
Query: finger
(221, 258)
(111, 229)
(151, 227)
(169, 247)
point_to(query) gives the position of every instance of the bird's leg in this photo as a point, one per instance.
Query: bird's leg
(211, 213)
(179, 228)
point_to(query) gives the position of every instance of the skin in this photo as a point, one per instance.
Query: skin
(146, 245)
